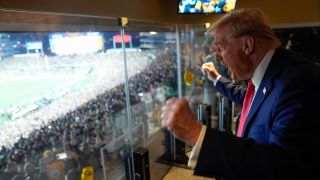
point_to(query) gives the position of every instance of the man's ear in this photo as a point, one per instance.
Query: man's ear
(248, 44)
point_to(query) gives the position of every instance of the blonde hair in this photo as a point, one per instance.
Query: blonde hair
(250, 22)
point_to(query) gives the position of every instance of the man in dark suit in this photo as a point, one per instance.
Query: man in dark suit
(279, 137)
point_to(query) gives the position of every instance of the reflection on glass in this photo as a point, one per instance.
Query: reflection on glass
(188, 77)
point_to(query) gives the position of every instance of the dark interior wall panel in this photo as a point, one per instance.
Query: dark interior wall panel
(149, 10)
(279, 12)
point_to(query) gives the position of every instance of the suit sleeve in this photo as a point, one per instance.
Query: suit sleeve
(231, 90)
(227, 156)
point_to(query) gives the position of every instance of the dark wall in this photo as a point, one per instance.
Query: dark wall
(305, 41)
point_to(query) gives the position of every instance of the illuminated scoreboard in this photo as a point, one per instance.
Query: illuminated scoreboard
(76, 43)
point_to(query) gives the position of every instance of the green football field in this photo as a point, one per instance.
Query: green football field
(28, 90)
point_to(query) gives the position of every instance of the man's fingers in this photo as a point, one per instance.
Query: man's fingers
(168, 108)
(207, 65)
(165, 115)
(165, 122)
(206, 68)
(170, 115)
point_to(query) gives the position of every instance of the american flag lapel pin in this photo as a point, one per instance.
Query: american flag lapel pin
(264, 90)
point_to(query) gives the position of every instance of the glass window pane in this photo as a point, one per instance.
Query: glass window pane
(62, 108)
(155, 82)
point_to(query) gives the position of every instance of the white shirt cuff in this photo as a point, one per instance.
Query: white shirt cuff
(196, 148)
(216, 80)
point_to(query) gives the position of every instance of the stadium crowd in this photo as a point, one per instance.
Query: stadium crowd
(79, 124)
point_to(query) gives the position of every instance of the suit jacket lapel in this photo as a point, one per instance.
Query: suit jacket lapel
(263, 91)
(265, 88)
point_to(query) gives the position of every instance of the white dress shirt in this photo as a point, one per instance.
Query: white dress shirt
(256, 80)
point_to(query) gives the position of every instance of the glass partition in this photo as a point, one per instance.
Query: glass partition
(80, 94)
(151, 87)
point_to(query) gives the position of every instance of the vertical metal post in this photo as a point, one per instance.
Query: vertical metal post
(172, 138)
(143, 134)
(103, 163)
(221, 113)
(178, 62)
(131, 165)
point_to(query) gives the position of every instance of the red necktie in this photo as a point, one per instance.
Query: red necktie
(245, 107)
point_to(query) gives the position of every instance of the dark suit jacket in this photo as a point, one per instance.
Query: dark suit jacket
(281, 134)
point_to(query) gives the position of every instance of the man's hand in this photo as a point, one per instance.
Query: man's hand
(209, 70)
(178, 118)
